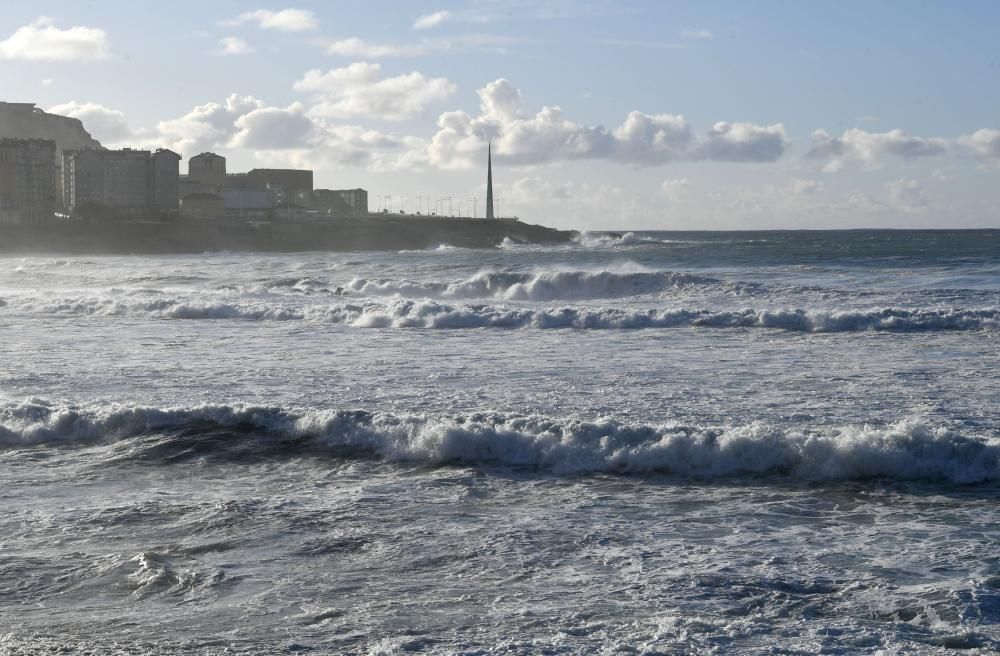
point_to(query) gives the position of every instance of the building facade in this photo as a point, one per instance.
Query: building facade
(27, 180)
(164, 180)
(248, 203)
(131, 182)
(290, 186)
(340, 202)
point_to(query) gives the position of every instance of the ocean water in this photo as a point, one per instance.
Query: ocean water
(739, 443)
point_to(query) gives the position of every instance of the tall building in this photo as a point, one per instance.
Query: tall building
(208, 169)
(489, 181)
(164, 180)
(27, 180)
(133, 182)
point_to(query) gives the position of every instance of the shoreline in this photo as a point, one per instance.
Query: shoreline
(185, 236)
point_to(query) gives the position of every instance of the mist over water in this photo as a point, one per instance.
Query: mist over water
(639, 443)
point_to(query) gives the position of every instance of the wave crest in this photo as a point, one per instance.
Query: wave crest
(907, 450)
(544, 286)
(434, 315)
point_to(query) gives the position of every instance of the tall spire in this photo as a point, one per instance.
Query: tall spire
(489, 181)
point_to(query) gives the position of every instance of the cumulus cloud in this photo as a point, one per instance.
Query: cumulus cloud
(234, 45)
(907, 195)
(283, 136)
(43, 41)
(207, 126)
(284, 20)
(107, 125)
(744, 142)
(548, 135)
(359, 90)
(871, 147)
(435, 19)
(273, 128)
(985, 142)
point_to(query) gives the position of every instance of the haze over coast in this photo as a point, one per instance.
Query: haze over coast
(64, 192)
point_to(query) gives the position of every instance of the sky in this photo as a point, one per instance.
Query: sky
(623, 115)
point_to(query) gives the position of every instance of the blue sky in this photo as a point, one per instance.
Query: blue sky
(670, 114)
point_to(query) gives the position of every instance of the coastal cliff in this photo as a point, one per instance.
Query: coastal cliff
(25, 121)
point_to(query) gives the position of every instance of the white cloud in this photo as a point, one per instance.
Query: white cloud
(870, 147)
(547, 135)
(358, 90)
(207, 126)
(492, 11)
(985, 142)
(744, 142)
(285, 20)
(366, 49)
(491, 43)
(428, 21)
(43, 41)
(692, 33)
(675, 188)
(803, 187)
(107, 125)
(907, 195)
(47, 82)
(234, 45)
(795, 196)
(273, 128)
(287, 136)
(533, 190)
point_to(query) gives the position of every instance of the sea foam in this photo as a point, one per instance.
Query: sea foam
(910, 449)
(430, 314)
(545, 286)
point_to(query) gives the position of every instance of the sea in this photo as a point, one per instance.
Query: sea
(640, 443)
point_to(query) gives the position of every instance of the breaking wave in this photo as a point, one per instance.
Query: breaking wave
(589, 239)
(434, 315)
(907, 450)
(545, 286)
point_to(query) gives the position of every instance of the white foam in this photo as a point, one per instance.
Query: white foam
(910, 449)
(430, 314)
(541, 286)
(588, 239)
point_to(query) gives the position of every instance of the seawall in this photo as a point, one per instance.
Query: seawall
(335, 234)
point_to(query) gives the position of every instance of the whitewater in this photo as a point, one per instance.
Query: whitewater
(641, 443)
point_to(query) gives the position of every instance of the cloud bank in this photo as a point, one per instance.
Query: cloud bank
(548, 135)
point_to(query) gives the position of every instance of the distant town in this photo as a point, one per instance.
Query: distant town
(61, 191)
(44, 181)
